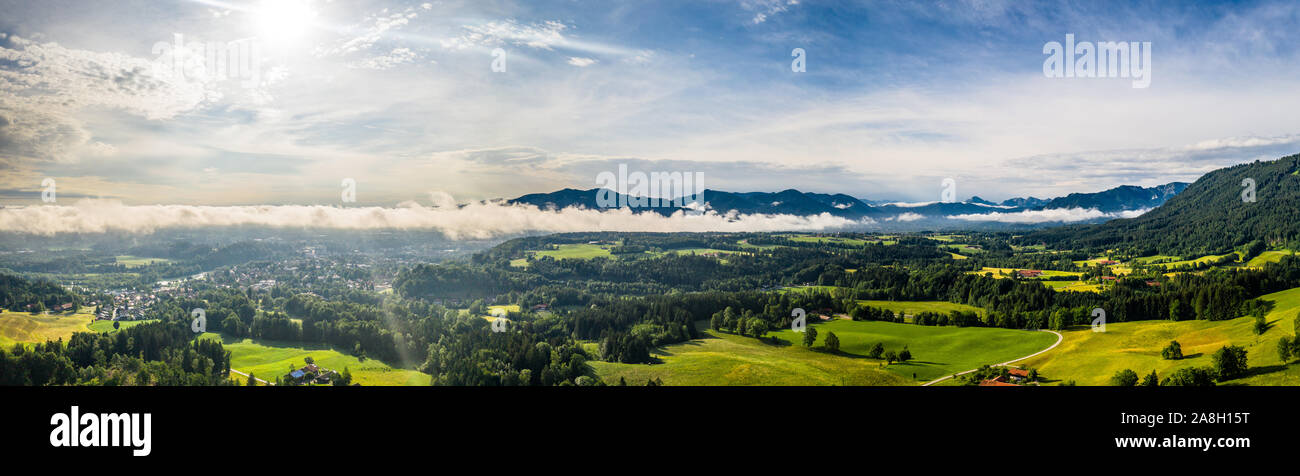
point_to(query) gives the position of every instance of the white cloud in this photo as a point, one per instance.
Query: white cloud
(542, 35)
(581, 62)
(1053, 215)
(48, 84)
(396, 57)
(766, 8)
(476, 220)
(370, 31)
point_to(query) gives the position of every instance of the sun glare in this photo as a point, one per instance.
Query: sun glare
(283, 20)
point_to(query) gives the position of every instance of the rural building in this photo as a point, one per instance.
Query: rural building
(997, 382)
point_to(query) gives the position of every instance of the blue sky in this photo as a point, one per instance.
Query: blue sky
(401, 97)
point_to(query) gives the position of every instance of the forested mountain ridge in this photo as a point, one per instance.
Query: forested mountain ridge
(795, 202)
(1211, 216)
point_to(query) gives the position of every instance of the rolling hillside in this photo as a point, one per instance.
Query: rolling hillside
(1209, 217)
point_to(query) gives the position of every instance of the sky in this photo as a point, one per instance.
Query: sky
(405, 99)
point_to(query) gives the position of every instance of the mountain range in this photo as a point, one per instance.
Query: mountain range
(973, 213)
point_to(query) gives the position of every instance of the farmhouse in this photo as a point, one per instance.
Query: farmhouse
(997, 382)
(1030, 273)
(311, 373)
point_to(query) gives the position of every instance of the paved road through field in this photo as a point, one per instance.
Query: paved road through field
(1059, 338)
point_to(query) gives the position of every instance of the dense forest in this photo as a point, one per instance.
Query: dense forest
(1210, 217)
(149, 354)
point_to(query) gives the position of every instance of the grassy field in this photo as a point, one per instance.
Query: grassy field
(575, 251)
(1192, 262)
(912, 308)
(725, 359)
(107, 326)
(26, 327)
(1091, 358)
(503, 310)
(1092, 262)
(137, 261)
(936, 350)
(828, 239)
(269, 359)
(963, 249)
(1268, 257)
(1006, 272)
(1078, 286)
(700, 251)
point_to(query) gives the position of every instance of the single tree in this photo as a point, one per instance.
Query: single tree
(1124, 378)
(809, 337)
(1284, 349)
(758, 328)
(904, 355)
(1151, 380)
(832, 342)
(1230, 363)
(1174, 351)
(876, 351)
(252, 381)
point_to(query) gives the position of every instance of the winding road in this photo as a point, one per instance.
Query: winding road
(1059, 338)
(269, 383)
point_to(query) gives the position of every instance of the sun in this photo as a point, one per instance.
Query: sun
(283, 21)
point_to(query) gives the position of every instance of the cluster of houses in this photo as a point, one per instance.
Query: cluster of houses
(127, 305)
(306, 271)
(65, 307)
(310, 374)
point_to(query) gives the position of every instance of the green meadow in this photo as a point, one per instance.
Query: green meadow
(912, 308)
(25, 327)
(1091, 358)
(137, 261)
(1268, 257)
(575, 251)
(828, 239)
(107, 326)
(963, 249)
(936, 350)
(268, 359)
(1006, 272)
(725, 359)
